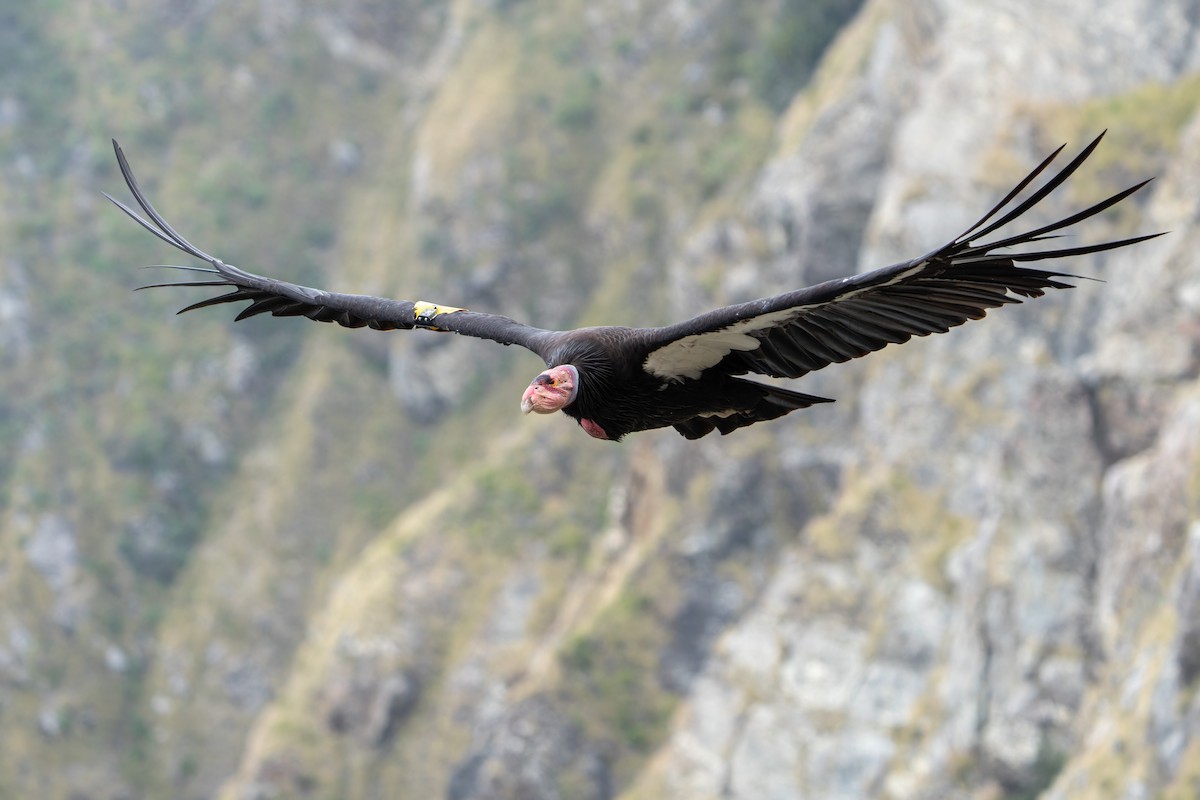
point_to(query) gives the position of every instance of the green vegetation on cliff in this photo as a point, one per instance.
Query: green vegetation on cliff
(179, 498)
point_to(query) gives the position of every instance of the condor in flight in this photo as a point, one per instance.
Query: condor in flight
(614, 381)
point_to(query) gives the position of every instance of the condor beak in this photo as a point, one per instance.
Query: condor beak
(528, 397)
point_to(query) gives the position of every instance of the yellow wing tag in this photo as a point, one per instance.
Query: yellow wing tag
(424, 313)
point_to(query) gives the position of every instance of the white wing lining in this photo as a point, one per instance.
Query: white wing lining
(688, 356)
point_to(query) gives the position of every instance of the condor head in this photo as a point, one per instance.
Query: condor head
(551, 391)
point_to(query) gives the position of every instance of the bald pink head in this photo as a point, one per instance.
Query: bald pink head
(551, 391)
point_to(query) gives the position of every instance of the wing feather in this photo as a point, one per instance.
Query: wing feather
(283, 299)
(838, 320)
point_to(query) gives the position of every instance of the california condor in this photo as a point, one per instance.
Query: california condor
(614, 381)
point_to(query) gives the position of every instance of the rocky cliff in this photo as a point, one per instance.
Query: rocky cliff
(282, 559)
(999, 601)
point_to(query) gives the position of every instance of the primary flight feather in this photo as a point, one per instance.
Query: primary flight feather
(614, 381)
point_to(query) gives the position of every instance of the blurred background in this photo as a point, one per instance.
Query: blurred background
(282, 559)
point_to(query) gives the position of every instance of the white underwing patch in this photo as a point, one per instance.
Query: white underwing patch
(689, 356)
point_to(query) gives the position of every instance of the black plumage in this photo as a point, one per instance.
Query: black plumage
(686, 375)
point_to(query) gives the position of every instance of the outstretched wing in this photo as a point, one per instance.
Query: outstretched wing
(794, 333)
(283, 299)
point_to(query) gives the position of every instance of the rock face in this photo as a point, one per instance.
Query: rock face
(1059, 492)
(299, 561)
